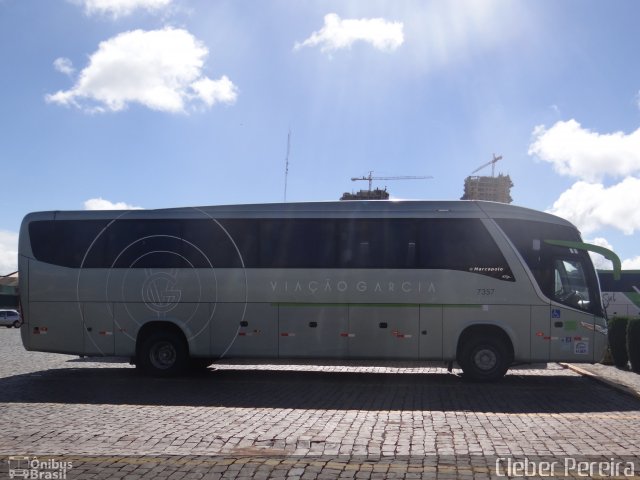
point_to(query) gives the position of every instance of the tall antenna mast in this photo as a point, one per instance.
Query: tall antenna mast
(286, 165)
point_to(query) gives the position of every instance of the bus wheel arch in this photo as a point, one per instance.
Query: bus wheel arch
(484, 352)
(162, 349)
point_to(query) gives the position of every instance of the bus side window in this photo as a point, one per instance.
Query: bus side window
(571, 284)
(364, 256)
(411, 254)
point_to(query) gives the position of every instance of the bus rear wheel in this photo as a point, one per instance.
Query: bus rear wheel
(484, 359)
(163, 354)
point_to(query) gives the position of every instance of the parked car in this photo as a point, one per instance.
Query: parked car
(10, 318)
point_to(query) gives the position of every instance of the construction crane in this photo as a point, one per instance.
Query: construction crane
(370, 178)
(492, 163)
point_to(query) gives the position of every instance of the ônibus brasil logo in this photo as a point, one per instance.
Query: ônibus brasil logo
(35, 468)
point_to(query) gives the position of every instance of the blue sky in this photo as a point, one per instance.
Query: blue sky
(163, 103)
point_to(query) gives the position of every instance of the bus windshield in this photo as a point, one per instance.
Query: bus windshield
(564, 274)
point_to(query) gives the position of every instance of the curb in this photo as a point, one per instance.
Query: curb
(598, 378)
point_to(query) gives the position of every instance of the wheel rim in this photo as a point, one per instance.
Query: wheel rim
(163, 355)
(485, 359)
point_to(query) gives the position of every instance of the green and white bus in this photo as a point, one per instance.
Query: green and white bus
(620, 296)
(485, 285)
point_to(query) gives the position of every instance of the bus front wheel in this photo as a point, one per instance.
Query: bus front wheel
(484, 358)
(163, 354)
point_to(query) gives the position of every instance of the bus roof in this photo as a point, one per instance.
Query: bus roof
(333, 209)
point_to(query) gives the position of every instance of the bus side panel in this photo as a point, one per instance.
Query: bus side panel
(56, 327)
(540, 333)
(600, 343)
(125, 331)
(98, 328)
(513, 319)
(23, 267)
(431, 332)
(619, 304)
(50, 283)
(313, 331)
(244, 330)
(160, 288)
(384, 332)
(192, 318)
(570, 340)
(195, 321)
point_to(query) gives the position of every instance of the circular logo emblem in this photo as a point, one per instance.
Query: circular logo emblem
(160, 292)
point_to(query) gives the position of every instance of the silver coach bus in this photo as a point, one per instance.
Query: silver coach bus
(483, 284)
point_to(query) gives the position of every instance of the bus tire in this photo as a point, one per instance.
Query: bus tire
(484, 358)
(163, 354)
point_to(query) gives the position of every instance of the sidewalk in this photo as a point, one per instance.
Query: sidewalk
(623, 380)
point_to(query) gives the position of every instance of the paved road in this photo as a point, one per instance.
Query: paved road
(303, 421)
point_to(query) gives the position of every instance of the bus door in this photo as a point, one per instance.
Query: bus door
(572, 320)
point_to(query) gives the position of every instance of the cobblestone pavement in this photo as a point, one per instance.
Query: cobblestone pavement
(239, 420)
(623, 380)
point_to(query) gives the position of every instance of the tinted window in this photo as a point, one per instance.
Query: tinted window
(628, 282)
(556, 269)
(461, 244)
(379, 243)
(456, 244)
(300, 243)
(64, 242)
(528, 238)
(133, 244)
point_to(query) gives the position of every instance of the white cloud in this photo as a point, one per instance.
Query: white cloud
(602, 263)
(338, 34)
(214, 91)
(592, 206)
(64, 65)
(102, 204)
(631, 263)
(119, 8)
(582, 153)
(598, 260)
(8, 252)
(160, 69)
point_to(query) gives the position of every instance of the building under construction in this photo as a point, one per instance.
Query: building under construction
(376, 194)
(495, 189)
